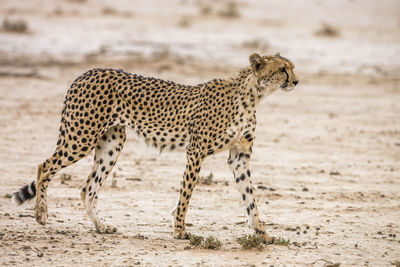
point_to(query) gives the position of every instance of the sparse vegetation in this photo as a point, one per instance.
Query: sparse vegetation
(108, 11)
(111, 11)
(208, 243)
(282, 241)
(66, 177)
(77, 1)
(251, 241)
(327, 263)
(114, 181)
(229, 10)
(205, 9)
(196, 240)
(212, 243)
(184, 22)
(16, 25)
(207, 180)
(327, 30)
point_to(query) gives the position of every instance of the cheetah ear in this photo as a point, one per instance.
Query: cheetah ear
(256, 62)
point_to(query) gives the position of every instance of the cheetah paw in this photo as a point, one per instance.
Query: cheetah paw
(182, 234)
(268, 239)
(41, 213)
(106, 229)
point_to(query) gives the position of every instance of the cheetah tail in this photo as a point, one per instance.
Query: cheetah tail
(25, 193)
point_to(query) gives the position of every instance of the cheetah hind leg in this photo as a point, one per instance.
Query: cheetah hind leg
(60, 159)
(106, 154)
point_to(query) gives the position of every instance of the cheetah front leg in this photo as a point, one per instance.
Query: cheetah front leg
(239, 157)
(194, 161)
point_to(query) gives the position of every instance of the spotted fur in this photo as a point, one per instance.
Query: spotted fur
(201, 120)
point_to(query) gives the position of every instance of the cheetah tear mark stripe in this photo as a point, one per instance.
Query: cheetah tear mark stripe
(25, 193)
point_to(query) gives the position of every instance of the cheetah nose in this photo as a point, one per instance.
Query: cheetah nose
(295, 82)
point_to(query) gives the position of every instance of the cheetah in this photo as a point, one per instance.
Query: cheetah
(200, 120)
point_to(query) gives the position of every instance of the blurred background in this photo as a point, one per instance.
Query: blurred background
(346, 36)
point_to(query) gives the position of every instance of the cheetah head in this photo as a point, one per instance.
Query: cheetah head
(273, 73)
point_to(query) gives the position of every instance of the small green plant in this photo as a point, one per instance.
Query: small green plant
(66, 177)
(251, 241)
(212, 243)
(196, 240)
(207, 179)
(208, 243)
(282, 241)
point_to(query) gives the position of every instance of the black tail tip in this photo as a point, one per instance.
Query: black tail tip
(25, 193)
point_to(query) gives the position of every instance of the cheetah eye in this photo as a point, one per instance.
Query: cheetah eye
(283, 69)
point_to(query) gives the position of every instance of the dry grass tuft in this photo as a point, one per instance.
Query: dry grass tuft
(251, 241)
(196, 240)
(207, 180)
(327, 30)
(212, 243)
(204, 9)
(184, 22)
(17, 25)
(229, 10)
(77, 1)
(208, 243)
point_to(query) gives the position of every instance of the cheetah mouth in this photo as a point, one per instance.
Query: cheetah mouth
(287, 88)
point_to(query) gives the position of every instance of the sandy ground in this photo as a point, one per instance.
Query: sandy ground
(326, 160)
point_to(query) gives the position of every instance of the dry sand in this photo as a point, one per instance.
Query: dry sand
(326, 157)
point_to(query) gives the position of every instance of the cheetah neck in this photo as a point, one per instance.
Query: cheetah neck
(247, 87)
